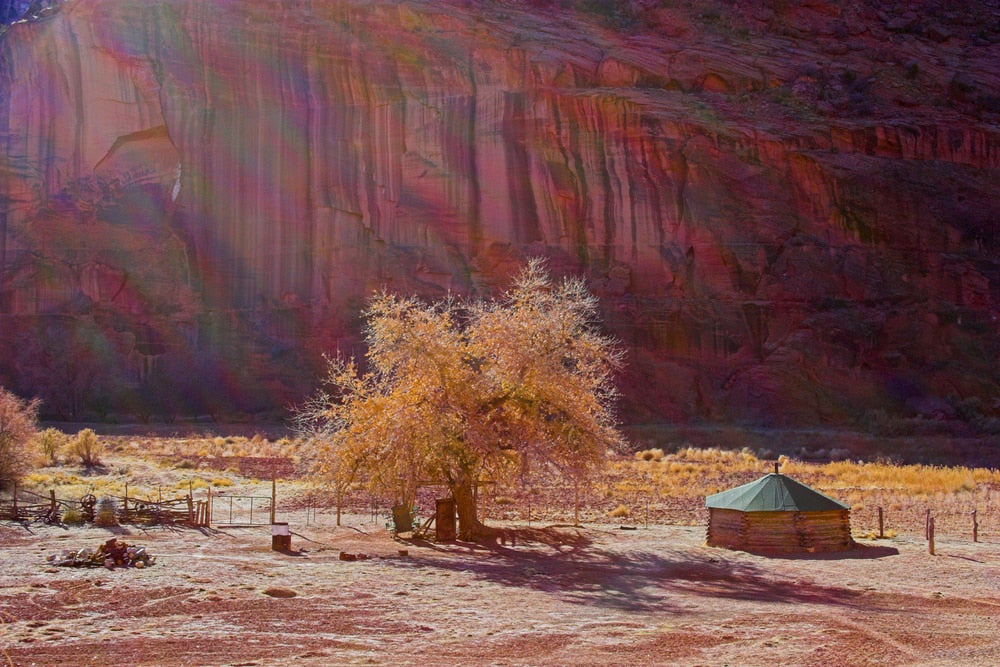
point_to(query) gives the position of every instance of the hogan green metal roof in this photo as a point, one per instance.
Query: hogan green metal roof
(774, 493)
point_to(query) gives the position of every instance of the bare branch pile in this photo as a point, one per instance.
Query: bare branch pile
(111, 554)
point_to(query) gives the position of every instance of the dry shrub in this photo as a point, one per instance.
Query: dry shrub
(193, 484)
(72, 517)
(87, 448)
(620, 512)
(873, 535)
(18, 419)
(260, 446)
(51, 442)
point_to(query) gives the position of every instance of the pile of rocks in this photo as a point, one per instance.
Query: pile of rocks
(111, 554)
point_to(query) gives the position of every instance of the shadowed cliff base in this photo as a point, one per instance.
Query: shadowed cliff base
(943, 447)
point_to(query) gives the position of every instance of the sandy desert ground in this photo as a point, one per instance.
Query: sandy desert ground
(591, 595)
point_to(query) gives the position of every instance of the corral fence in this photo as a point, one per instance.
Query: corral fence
(974, 524)
(23, 505)
(876, 516)
(640, 508)
(234, 510)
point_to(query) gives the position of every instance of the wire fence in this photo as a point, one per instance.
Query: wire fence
(877, 516)
(567, 504)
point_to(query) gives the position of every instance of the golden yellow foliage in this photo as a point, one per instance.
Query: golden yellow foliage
(17, 429)
(87, 447)
(50, 442)
(460, 392)
(620, 511)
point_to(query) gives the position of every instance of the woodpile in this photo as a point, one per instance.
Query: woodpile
(112, 554)
(789, 532)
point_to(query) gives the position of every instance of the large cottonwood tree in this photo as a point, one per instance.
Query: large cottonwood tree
(458, 392)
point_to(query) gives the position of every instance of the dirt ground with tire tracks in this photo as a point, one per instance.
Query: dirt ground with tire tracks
(593, 595)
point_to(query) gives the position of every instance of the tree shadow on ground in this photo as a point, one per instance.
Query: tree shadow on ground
(857, 552)
(576, 565)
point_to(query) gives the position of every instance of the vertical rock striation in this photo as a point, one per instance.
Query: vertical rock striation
(789, 214)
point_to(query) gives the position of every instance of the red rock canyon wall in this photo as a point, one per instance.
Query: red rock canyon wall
(788, 209)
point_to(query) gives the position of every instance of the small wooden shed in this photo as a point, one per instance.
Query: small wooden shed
(778, 514)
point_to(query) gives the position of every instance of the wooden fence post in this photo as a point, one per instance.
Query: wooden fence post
(975, 527)
(52, 502)
(927, 524)
(274, 488)
(930, 536)
(208, 510)
(881, 524)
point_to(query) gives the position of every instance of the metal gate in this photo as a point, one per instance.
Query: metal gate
(241, 510)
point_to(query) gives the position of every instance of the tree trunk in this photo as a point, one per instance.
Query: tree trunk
(469, 526)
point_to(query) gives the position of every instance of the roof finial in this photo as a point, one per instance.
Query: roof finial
(776, 464)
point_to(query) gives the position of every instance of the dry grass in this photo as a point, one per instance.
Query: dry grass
(905, 492)
(706, 471)
(650, 486)
(195, 447)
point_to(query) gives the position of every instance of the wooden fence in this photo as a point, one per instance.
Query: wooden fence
(27, 506)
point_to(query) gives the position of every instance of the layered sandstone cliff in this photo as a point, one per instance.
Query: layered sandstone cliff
(788, 209)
